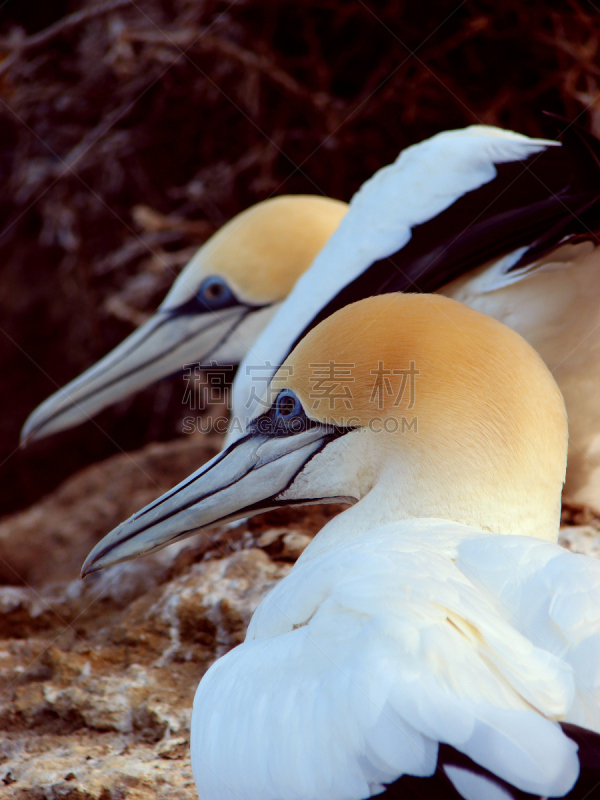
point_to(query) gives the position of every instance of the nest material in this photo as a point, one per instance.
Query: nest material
(131, 129)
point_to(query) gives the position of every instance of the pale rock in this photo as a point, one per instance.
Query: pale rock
(212, 603)
(98, 676)
(583, 539)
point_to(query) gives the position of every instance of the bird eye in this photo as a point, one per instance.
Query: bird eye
(286, 417)
(287, 405)
(215, 293)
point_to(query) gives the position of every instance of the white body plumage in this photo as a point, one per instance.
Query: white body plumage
(370, 653)
(436, 619)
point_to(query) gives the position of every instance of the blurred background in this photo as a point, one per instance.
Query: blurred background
(130, 130)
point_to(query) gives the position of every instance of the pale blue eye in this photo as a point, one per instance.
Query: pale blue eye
(215, 293)
(287, 405)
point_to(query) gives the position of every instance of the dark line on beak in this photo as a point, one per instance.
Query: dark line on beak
(211, 324)
(189, 481)
(182, 507)
(241, 511)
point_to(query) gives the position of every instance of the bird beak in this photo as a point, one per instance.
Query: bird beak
(243, 480)
(158, 348)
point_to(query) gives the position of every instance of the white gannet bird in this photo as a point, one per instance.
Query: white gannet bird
(499, 221)
(432, 641)
(214, 311)
(476, 214)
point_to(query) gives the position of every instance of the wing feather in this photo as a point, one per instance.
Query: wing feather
(408, 642)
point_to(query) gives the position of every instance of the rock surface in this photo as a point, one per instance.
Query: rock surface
(97, 677)
(62, 528)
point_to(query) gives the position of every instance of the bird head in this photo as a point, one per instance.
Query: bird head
(214, 311)
(408, 406)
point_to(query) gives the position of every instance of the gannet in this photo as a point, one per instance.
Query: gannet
(433, 640)
(499, 221)
(214, 311)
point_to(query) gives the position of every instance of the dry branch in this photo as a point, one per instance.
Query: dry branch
(60, 28)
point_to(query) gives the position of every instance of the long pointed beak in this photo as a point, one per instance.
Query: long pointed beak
(244, 480)
(159, 347)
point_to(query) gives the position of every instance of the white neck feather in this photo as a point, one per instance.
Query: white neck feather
(417, 485)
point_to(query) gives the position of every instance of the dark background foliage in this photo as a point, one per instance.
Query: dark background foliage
(131, 129)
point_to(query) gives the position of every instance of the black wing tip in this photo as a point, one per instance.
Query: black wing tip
(441, 787)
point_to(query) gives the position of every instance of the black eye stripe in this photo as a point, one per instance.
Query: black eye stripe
(209, 298)
(285, 417)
